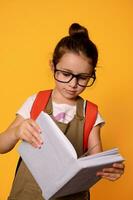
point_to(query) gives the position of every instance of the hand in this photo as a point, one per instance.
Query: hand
(29, 131)
(112, 173)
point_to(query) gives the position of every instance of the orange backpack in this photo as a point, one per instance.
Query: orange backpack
(90, 113)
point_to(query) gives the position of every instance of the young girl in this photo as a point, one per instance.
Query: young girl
(73, 67)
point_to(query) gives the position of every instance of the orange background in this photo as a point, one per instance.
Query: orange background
(29, 31)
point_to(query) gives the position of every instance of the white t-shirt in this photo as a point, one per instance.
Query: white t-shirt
(62, 112)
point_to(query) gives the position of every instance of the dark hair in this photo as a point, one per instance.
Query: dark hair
(78, 41)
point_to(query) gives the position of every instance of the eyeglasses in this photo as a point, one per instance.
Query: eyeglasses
(83, 79)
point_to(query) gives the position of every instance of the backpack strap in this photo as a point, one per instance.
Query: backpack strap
(90, 118)
(40, 103)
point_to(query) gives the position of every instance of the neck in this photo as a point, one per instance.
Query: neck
(58, 98)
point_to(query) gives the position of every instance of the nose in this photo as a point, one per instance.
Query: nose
(73, 82)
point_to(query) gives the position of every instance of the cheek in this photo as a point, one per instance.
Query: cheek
(59, 85)
(81, 90)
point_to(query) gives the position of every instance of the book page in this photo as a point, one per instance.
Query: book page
(59, 141)
(86, 156)
(101, 159)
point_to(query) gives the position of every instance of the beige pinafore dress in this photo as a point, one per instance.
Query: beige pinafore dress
(24, 185)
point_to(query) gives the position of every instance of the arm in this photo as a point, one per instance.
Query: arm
(8, 138)
(20, 129)
(95, 146)
(94, 142)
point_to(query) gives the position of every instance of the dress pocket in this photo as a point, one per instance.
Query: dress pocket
(30, 192)
(10, 198)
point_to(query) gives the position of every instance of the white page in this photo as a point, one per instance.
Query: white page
(51, 128)
(101, 161)
(113, 151)
(51, 161)
(102, 158)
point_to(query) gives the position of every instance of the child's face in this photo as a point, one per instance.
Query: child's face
(76, 64)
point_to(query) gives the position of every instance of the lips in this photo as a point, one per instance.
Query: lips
(70, 92)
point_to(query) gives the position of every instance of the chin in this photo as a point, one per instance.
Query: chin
(70, 95)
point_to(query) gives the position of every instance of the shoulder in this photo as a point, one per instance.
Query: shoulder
(36, 99)
(25, 109)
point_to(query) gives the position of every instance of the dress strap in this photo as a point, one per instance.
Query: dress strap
(79, 108)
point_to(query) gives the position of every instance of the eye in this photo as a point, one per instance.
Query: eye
(66, 74)
(84, 77)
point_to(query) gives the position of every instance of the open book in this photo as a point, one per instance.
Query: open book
(55, 166)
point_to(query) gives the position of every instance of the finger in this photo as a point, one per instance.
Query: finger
(30, 139)
(113, 170)
(35, 125)
(110, 176)
(34, 133)
(34, 143)
(119, 165)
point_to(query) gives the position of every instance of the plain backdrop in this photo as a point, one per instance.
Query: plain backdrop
(29, 31)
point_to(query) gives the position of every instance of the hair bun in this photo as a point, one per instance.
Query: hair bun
(78, 30)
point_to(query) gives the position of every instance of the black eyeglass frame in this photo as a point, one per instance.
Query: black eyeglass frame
(76, 76)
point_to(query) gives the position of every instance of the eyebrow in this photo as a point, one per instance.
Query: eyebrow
(81, 73)
(68, 70)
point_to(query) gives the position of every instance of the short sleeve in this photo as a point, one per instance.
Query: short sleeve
(25, 109)
(99, 120)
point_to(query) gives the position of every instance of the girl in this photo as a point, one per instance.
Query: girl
(73, 67)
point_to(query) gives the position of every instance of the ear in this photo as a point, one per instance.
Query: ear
(51, 65)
